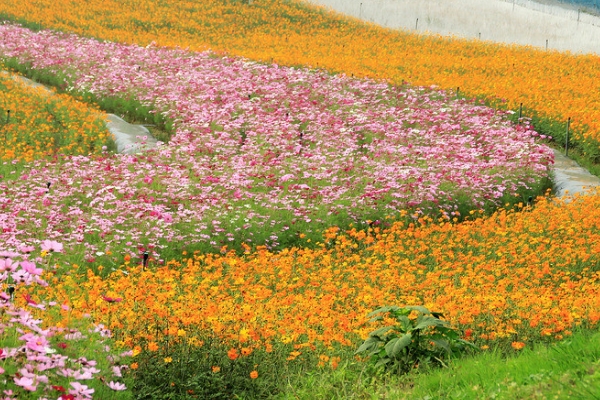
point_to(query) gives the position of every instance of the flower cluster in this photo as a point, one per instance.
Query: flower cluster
(35, 123)
(553, 84)
(39, 357)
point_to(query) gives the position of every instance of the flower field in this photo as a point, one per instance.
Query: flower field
(263, 156)
(522, 279)
(550, 84)
(37, 125)
(286, 205)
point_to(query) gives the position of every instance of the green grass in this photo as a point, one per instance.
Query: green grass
(566, 370)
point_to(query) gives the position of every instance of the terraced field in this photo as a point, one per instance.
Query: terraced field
(284, 204)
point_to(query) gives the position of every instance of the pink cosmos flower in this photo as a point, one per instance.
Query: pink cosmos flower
(117, 386)
(112, 299)
(30, 267)
(81, 390)
(20, 276)
(51, 246)
(29, 300)
(117, 371)
(26, 383)
(26, 249)
(35, 342)
(7, 265)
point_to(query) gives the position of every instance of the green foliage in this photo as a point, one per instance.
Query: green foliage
(207, 369)
(411, 342)
(566, 370)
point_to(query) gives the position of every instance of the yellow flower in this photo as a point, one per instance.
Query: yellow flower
(137, 350)
(168, 360)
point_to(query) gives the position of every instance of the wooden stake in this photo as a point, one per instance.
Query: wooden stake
(567, 139)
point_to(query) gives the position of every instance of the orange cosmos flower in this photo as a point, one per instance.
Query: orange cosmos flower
(233, 354)
(517, 345)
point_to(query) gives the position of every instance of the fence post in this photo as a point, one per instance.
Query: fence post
(567, 138)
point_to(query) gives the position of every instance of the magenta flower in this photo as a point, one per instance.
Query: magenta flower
(29, 300)
(112, 299)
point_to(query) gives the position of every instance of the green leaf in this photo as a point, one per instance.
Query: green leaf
(428, 321)
(443, 344)
(383, 310)
(395, 346)
(405, 323)
(420, 309)
(448, 332)
(382, 362)
(377, 318)
(367, 345)
(381, 331)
